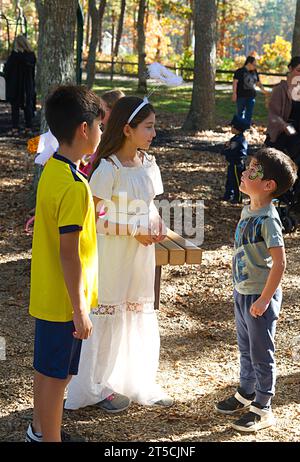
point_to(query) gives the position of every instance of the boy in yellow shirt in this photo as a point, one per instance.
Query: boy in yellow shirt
(64, 257)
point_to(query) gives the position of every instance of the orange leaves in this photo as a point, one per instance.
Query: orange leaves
(32, 144)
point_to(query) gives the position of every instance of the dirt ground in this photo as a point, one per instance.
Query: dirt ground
(199, 356)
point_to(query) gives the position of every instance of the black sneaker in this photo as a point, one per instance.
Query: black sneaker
(32, 436)
(256, 419)
(234, 404)
(67, 438)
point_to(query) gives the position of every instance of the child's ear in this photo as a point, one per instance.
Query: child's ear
(82, 128)
(127, 130)
(270, 186)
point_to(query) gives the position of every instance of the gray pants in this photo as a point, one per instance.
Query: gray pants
(255, 338)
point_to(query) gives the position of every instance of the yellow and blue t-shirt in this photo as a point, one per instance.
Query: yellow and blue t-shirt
(64, 204)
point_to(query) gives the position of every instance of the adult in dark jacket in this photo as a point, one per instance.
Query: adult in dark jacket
(19, 71)
(283, 131)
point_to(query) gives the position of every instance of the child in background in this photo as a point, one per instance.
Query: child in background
(120, 361)
(108, 99)
(235, 154)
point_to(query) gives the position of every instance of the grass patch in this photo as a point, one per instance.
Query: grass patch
(178, 100)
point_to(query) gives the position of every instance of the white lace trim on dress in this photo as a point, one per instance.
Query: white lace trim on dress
(136, 307)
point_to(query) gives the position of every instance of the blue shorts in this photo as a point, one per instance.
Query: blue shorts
(56, 351)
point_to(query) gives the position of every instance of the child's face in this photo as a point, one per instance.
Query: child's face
(252, 182)
(144, 133)
(107, 111)
(252, 66)
(94, 135)
(234, 130)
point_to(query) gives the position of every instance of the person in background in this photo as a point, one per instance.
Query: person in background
(108, 100)
(19, 72)
(235, 154)
(283, 130)
(245, 80)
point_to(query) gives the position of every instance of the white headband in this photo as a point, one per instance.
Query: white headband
(143, 103)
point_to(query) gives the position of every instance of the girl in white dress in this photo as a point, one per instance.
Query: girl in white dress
(122, 354)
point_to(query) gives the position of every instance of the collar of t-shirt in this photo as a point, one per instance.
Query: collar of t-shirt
(268, 210)
(64, 159)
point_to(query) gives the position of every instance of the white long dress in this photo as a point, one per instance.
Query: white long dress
(122, 353)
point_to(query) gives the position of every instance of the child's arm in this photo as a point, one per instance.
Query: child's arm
(234, 90)
(279, 262)
(260, 85)
(71, 265)
(106, 227)
(157, 224)
(232, 152)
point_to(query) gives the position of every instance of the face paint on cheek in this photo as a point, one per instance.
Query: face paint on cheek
(258, 173)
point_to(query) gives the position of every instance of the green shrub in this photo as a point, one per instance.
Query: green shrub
(187, 61)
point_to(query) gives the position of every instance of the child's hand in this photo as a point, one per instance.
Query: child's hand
(259, 307)
(160, 230)
(83, 325)
(145, 236)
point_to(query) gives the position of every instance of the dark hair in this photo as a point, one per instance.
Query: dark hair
(113, 136)
(239, 123)
(111, 97)
(294, 62)
(67, 106)
(277, 166)
(249, 60)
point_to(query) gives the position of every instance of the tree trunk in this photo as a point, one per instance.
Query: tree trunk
(201, 115)
(134, 33)
(56, 45)
(87, 28)
(296, 33)
(120, 27)
(101, 14)
(57, 65)
(188, 28)
(90, 66)
(158, 44)
(41, 34)
(222, 27)
(157, 54)
(142, 84)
